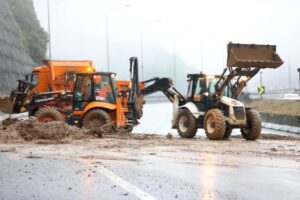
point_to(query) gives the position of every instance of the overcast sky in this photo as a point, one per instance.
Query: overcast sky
(199, 29)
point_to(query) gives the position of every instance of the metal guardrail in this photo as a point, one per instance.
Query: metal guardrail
(156, 99)
(281, 119)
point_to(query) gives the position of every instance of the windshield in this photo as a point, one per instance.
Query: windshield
(227, 91)
(33, 79)
(204, 85)
(104, 88)
(211, 86)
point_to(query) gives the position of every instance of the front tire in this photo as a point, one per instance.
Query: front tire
(214, 124)
(253, 128)
(96, 119)
(48, 114)
(186, 124)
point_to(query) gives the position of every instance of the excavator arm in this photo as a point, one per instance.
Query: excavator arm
(136, 91)
(238, 79)
(164, 85)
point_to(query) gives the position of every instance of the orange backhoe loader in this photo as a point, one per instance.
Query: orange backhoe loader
(52, 77)
(96, 98)
(52, 74)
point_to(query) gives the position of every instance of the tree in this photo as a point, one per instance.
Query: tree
(35, 37)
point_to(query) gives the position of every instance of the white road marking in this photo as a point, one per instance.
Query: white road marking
(125, 185)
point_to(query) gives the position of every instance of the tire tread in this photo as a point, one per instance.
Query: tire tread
(220, 125)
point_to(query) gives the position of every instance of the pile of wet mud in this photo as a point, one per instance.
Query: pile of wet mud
(56, 132)
(31, 130)
(14, 130)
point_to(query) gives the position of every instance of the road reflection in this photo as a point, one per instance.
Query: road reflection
(88, 182)
(208, 179)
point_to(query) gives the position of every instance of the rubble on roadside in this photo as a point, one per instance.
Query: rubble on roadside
(15, 130)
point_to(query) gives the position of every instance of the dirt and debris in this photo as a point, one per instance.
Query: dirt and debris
(278, 137)
(7, 122)
(33, 157)
(26, 132)
(9, 149)
(18, 131)
(270, 136)
(30, 130)
(169, 136)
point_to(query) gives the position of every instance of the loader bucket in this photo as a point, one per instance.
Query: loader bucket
(6, 105)
(252, 55)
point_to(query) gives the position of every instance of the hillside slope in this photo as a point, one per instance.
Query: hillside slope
(15, 61)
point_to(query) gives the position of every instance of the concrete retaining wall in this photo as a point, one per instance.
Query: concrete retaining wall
(281, 119)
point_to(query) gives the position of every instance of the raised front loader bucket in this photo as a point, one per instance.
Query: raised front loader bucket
(252, 55)
(6, 105)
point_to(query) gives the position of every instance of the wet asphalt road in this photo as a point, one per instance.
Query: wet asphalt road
(23, 177)
(147, 175)
(52, 178)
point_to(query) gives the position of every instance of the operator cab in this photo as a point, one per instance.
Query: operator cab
(32, 78)
(94, 87)
(202, 90)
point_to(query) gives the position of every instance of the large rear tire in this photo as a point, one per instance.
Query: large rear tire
(186, 124)
(95, 119)
(48, 114)
(214, 124)
(253, 128)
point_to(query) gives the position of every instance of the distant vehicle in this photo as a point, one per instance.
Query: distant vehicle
(291, 97)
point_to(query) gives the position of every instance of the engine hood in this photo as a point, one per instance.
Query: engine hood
(230, 101)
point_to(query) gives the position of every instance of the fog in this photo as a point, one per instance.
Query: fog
(197, 30)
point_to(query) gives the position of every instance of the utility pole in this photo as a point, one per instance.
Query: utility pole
(142, 51)
(201, 55)
(107, 32)
(299, 79)
(174, 59)
(107, 40)
(49, 29)
(290, 78)
(142, 43)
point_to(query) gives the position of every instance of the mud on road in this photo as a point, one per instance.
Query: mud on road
(30, 130)
(71, 141)
(160, 165)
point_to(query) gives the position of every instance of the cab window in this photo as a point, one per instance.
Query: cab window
(83, 88)
(103, 89)
(201, 86)
(212, 87)
(82, 92)
(32, 78)
(227, 91)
